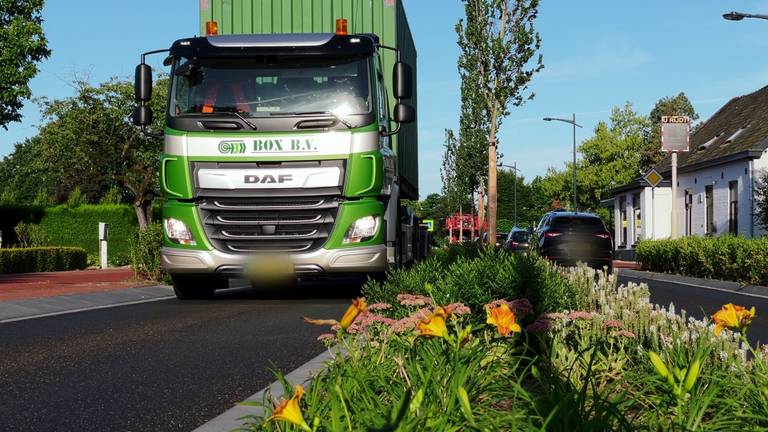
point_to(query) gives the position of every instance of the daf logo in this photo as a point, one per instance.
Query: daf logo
(268, 179)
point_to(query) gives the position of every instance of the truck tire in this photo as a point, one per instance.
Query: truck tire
(195, 287)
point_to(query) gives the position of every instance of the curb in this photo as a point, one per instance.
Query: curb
(304, 374)
(19, 310)
(711, 284)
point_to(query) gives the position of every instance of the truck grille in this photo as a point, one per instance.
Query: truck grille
(268, 224)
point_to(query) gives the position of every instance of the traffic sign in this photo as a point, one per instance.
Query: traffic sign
(430, 223)
(675, 133)
(653, 177)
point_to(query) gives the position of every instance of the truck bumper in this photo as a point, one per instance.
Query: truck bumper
(322, 261)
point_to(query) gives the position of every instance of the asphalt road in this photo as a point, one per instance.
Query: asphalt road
(161, 366)
(700, 302)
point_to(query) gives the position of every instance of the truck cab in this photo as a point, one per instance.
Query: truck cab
(278, 158)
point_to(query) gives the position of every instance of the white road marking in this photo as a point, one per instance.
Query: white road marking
(132, 302)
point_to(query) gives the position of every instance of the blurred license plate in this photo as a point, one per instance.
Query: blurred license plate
(270, 268)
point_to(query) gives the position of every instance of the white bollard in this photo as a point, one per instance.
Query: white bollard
(103, 235)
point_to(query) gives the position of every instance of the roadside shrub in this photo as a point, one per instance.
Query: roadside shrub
(42, 259)
(113, 196)
(76, 198)
(145, 253)
(725, 257)
(11, 215)
(30, 235)
(477, 276)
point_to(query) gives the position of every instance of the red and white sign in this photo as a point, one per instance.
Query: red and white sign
(675, 133)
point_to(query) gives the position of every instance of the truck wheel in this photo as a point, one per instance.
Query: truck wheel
(189, 287)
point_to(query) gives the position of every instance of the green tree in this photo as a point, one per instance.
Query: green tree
(498, 43)
(88, 142)
(609, 159)
(22, 47)
(761, 200)
(678, 105)
(454, 180)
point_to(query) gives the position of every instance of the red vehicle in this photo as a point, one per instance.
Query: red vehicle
(464, 227)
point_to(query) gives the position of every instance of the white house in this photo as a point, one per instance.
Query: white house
(715, 181)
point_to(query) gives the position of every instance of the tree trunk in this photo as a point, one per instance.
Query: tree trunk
(492, 191)
(141, 214)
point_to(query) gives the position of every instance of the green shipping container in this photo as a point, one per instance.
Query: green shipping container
(385, 18)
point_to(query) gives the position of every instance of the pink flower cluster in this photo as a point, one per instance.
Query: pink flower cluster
(612, 323)
(458, 309)
(625, 333)
(414, 300)
(575, 315)
(379, 306)
(326, 336)
(365, 320)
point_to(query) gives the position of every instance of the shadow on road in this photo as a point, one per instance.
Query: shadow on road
(336, 288)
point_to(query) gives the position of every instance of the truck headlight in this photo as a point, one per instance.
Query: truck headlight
(177, 232)
(362, 230)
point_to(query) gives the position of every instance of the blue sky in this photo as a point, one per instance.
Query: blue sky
(597, 54)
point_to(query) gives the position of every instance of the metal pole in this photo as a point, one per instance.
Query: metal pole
(674, 195)
(653, 213)
(515, 177)
(575, 202)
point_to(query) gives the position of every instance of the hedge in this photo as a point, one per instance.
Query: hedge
(726, 257)
(42, 259)
(79, 226)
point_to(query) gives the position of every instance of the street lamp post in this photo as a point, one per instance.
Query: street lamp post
(575, 125)
(738, 16)
(514, 168)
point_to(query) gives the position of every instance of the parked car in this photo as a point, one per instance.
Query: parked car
(571, 237)
(517, 240)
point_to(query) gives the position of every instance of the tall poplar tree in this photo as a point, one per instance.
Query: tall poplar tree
(498, 59)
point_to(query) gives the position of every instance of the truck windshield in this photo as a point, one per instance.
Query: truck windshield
(261, 89)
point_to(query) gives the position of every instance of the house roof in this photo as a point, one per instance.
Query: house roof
(738, 130)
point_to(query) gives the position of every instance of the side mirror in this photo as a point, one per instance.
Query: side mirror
(142, 116)
(142, 86)
(404, 113)
(402, 80)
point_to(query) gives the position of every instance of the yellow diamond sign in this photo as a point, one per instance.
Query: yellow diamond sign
(653, 177)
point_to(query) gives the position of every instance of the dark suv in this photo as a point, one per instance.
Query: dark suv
(571, 237)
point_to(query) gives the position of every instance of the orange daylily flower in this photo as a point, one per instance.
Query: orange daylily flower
(434, 325)
(503, 318)
(357, 307)
(289, 410)
(733, 317)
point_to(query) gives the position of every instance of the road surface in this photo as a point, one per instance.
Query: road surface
(160, 366)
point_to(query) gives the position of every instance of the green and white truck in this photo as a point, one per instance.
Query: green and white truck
(290, 142)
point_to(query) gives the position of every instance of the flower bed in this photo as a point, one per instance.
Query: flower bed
(449, 357)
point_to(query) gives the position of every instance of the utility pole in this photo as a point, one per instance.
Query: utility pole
(572, 122)
(492, 191)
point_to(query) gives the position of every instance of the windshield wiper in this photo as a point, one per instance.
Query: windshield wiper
(238, 115)
(328, 113)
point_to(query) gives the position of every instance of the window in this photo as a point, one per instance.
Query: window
(688, 212)
(623, 220)
(709, 222)
(637, 214)
(733, 207)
